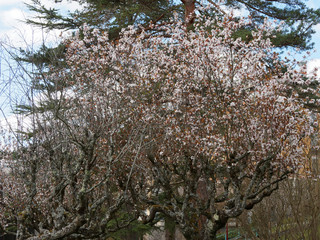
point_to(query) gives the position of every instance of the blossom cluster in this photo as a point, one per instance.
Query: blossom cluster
(201, 91)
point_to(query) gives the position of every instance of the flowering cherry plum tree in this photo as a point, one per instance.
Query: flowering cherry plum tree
(223, 121)
(63, 183)
(196, 125)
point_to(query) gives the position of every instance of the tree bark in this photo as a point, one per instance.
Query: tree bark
(190, 7)
(169, 229)
(64, 232)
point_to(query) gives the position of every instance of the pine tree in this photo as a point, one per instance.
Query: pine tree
(108, 15)
(116, 14)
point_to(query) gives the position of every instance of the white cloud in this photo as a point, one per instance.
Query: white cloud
(30, 37)
(10, 123)
(6, 3)
(13, 29)
(12, 17)
(312, 65)
(10, 127)
(317, 28)
(313, 3)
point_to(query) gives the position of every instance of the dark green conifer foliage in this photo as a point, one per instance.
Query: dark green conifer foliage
(298, 19)
(113, 15)
(110, 15)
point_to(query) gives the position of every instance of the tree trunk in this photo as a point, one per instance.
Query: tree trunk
(202, 194)
(169, 229)
(189, 6)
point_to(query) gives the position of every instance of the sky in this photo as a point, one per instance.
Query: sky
(15, 33)
(13, 29)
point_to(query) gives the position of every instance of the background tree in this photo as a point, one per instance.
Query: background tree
(290, 213)
(115, 15)
(293, 211)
